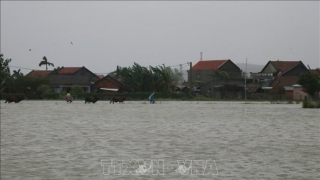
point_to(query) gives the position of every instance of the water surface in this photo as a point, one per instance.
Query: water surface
(56, 140)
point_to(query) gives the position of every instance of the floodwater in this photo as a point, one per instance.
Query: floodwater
(173, 139)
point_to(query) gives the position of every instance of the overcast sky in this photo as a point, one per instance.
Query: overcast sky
(108, 33)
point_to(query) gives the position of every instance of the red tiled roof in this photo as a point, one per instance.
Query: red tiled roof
(209, 64)
(68, 70)
(283, 66)
(37, 73)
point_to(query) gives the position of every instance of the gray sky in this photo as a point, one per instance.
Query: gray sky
(108, 33)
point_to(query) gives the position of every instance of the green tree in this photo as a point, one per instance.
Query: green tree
(45, 62)
(57, 69)
(163, 78)
(16, 74)
(142, 79)
(4, 72)
(310, 83)
(177, 76)
(76, 89)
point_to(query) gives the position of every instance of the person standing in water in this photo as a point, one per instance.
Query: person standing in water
(68, 98)
(151, 98)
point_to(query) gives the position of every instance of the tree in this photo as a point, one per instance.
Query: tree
(45, 62)
(142, 79)
(177, 76)
(17, 74)
(57, 69)
(76, 90)
(4, 72)
(310, 83)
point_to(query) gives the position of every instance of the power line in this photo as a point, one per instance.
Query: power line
(179, 64)
(21, 67)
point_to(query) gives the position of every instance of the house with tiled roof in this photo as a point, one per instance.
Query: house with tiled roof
(63, 79)
(208, 84)
(108, 84)
(203, 70)
(280, 73)
(38, 73)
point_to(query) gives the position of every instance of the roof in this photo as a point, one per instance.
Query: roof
(68, 76)
(37, 73)
(284, 66)
(209, 64)
(285, 80)
(111, 77)
(68, 70)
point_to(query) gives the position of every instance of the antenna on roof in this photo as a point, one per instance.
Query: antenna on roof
(200, 56)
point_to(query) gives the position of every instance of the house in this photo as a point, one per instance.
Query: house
(63, 79)
(38, 73)
(108, 84)
(218, 79)
(298, 93)
(280, 73)
(203, 70)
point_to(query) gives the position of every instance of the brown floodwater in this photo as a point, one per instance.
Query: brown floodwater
(172, 139)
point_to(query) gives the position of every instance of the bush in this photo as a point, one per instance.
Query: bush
(76, 89)
(308, 103)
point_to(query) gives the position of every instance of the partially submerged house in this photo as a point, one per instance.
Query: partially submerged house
(218, 79)
(203, 70)
(280, 74)
(108, 84)
(63, 79)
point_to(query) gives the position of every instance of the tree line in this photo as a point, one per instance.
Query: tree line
(135, 79)
(146, 79)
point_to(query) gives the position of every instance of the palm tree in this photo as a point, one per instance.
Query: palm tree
(45, 62)
(16, 74)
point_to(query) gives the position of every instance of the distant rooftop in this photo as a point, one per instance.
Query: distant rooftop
(209, 64)
(38, 73)
(68, 70)
(284, 66)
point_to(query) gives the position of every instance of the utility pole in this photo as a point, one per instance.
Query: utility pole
(245, 83)
(190, 78)
(181, 74)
